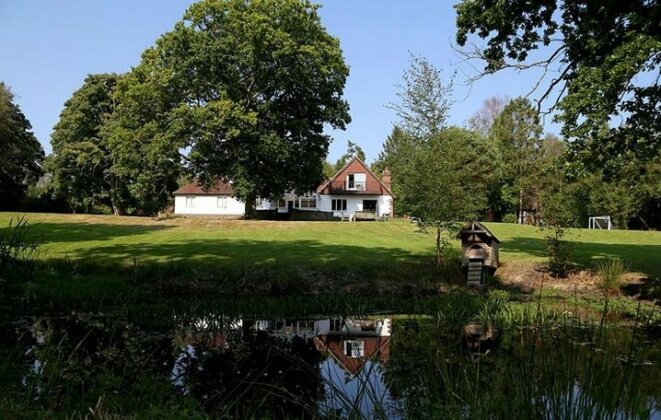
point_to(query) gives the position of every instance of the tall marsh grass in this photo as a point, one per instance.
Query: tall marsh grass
(610, 271)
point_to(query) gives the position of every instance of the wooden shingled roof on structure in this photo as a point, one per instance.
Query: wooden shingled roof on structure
(472, 231)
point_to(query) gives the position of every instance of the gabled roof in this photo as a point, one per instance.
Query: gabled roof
(220, 187)
(473, 230)
(374, 347)
(328, 183)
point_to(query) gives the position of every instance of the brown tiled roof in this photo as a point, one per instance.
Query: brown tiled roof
(220, 187)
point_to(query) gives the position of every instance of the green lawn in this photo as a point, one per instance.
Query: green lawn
(123, 240)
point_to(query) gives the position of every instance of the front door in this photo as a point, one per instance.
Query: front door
(290, 206)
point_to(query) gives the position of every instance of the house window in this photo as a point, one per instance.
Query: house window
(339, 204)
(308, 203)
(221, 202)
(296, 203)
(282, 203)
(356, 182)
(354, 348)
(190, 201)
(336, 324)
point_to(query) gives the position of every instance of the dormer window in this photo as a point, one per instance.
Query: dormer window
(356, 182)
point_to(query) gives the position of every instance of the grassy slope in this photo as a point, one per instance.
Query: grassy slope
(640, 250)
(111, 239)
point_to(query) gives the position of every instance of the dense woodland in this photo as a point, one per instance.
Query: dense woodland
(207, 102)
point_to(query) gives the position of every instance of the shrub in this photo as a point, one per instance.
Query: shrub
(559, 251)
(16, 243)
(509, 218)
(610, 272)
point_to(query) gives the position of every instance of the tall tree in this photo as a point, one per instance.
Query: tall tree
(448, 186)
(246, 87)
(517, 133)
(20, 152)
(398, 155)
(81, 164)
(424, 99)
(603, 61)
(353, 150)
(484, 118)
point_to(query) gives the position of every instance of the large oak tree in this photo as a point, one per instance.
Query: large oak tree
(240, 90)
(81, 164)
(20, 152)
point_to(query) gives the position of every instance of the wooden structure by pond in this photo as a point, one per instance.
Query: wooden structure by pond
(479, 252)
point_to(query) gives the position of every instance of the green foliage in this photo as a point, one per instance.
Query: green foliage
(448, 185)
(516, 133)
(610, 272)
(559, 252)
(424, 99)
(604, 53)
(558, 213)
(328, 169)
(82, 164)
(398, 155)
(605, 86)
(19, 252)
(20, 152)
(247, 87)
(509, 218)
(353, 150)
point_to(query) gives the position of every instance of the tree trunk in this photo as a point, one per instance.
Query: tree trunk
(521, 206)
(439, 255)
(117, 209)
(250, 209)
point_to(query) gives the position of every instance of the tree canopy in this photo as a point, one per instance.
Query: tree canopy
(353, 150)
(424, 99)
(607, 56)
(245, 88)
(448, 185)
(21, 153)
(81, 164)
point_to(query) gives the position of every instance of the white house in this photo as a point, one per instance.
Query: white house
(354, 192)
(194, 200)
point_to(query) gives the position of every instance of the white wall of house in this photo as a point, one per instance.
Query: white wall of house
(354, 204)
(222, 205)
(229, 206)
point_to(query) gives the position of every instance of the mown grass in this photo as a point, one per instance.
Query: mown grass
(90, 261)
(125, 240)
(640, 250)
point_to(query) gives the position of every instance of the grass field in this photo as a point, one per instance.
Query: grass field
(125, 240)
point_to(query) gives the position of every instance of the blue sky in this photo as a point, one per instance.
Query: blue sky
(48, 47)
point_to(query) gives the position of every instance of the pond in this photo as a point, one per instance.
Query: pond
(340, 366)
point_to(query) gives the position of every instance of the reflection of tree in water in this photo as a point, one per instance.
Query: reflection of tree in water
(534, 373)
(245, 372)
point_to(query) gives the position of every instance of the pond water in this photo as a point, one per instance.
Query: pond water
(377, 365)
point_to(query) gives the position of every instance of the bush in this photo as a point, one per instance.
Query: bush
(610, 273)
(509, 218)
(559, 251)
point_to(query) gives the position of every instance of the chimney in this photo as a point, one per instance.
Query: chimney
(386, 177)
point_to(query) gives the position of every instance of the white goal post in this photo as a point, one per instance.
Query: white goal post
(600, 222)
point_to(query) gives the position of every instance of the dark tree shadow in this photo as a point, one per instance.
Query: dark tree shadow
(47, 232)
(296, 253)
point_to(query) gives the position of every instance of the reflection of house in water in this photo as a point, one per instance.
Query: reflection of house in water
(330, 361)
(352, 343)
